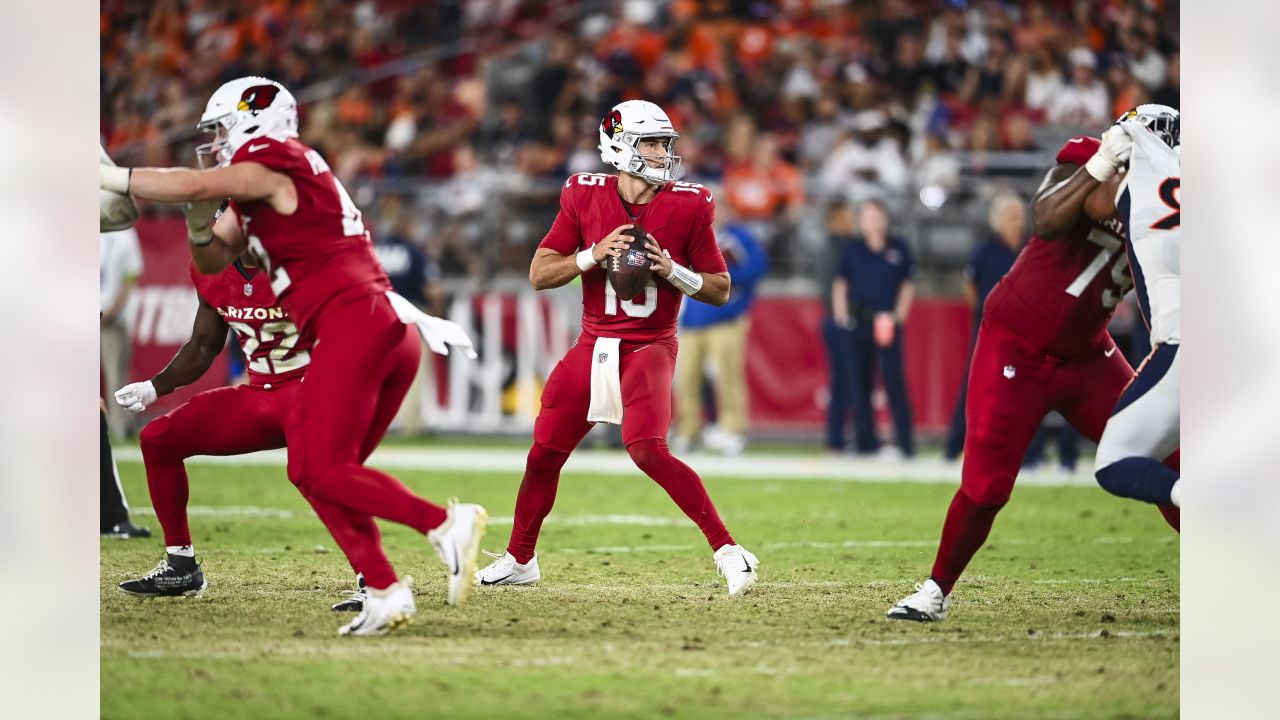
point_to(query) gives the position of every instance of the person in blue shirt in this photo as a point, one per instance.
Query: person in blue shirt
(719, 334)
(871, 295)
(989, 262)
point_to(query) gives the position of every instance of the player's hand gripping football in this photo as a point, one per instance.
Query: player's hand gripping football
(661, 258)
(135, 397)
(612, 245)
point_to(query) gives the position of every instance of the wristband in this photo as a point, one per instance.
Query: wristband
(115, 179)
(586, 260)
(688, 281)
(200, 237)
(1100, 167)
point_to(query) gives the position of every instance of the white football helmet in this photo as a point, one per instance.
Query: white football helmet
(244, 109)
(620, 134)
(1162, 120)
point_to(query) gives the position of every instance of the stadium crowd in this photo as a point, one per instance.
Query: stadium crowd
(777, 103)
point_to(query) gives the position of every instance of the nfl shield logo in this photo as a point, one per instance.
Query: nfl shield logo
(248, 289)
(635, 257)
(602, 357)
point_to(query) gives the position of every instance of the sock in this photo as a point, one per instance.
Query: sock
(1139, 478)
(181, 550)
(359, 539)
(965, 530)
(533, 503)
(166, 481)
(683, 485)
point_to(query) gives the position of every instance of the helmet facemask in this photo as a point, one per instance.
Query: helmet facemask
(1163, 121)
(656, 169)
(217, 152)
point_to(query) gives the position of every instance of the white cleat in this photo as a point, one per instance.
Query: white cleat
(1175, 493)
(926, 604)
(738, 566)
(504, 570)
(384, 610)
(457, 542)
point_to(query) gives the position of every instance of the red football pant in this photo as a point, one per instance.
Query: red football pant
(234, 421)
(1010, 391)
(361, 367)
(645, 372)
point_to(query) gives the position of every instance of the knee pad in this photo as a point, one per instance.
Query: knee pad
(543, 459)
(647, 454)
(152, 438)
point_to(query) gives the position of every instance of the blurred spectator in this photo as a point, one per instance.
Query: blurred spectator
(119, 265)
(867, 163)
(113, 510)
(719, 335)
(1167, 93)
(841, 228)
(1083, 103)
(871, 295)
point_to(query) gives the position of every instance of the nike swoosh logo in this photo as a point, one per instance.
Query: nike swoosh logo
(642, 347)
(1110, 352)
(255, 148)
(708, 198)
(495, 582)
(747, 564)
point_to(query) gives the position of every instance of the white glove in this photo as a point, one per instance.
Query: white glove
(135, 397)
(1114, 152)
(200, 217)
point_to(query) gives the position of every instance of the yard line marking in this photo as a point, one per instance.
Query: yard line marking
(238, 512)
(762, 466)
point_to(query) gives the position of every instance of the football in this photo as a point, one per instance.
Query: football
(115, 211)
(629, 272)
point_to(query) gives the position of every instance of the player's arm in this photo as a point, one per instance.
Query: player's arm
(214, 248)
(1058, 202)
(193, 359)
(710, 288)
(1100, 205)
(242, 182)
(551, 269)
(196, 356)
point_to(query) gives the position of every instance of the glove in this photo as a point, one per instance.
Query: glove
(137, 396)
(200, 216)
(1114, 152)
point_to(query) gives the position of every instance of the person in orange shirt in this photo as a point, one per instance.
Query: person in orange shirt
(763, 184)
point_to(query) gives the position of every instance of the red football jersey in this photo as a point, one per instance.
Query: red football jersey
(679, 218)
(321, 254)
(1060, 294)
(273, 349)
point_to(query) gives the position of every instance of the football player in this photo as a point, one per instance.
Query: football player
(619, 369)
(1043, 345)
(309, 238)
(1144, 426)
(225, 421)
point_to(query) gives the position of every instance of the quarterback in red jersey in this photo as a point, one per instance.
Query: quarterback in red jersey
(226, 421)
(619, 369)
(1043, 346)
(289, 209)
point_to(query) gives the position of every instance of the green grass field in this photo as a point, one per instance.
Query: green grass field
(1071, 611)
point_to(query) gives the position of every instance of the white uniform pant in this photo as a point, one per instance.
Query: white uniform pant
(1146, 420)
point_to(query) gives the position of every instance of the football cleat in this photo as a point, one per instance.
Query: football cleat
(926, 604)
(384, 610)
(125, 530)
(457, 542)
(738, 566)
(175, 576)
(504, 570)
(354, 603)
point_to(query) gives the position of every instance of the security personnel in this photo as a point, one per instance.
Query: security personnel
(871, 295)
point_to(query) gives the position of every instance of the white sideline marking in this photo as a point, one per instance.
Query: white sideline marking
(616, 462)
(236, 512)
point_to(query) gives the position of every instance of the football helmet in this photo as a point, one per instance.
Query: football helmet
(1162, 120)
(244, 109)
(621, 132)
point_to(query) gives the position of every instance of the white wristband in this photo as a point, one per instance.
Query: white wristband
(1100, 167)
(586, 260)
(115, 179)
(688, 281)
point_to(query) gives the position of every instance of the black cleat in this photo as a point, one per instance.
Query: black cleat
(125, 530)
(355, 603)
(175, 576)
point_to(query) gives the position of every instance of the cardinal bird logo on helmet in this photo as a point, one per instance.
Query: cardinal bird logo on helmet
(258, 98)
(612, 125)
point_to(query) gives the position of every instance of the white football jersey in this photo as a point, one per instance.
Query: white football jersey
(1149, 204)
